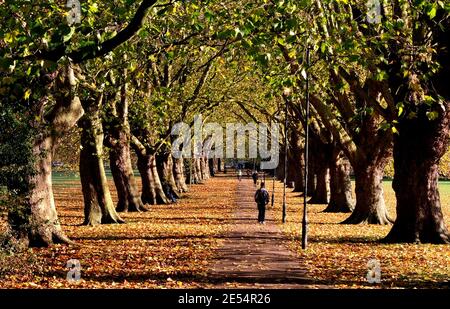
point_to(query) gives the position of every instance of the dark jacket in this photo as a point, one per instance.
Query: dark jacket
(262, 196)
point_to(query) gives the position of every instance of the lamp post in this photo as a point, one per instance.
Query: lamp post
(305, 189)
(286, 95)
(273, 188)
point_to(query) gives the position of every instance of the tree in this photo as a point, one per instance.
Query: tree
(37, 46)
(418, 50)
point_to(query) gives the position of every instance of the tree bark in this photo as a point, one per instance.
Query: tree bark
(296, 162)
(39, 226)
(179, 175)
(98, 204)
(204, 168)
(123, 175)
(44, 228)
(220, 164)
(322, 153)
(196, 170)
(320, 195)
(370, 207)
(311, 181)
(417, 151)
(164, 165)
(152, 191)
(340, 185)
(118, 139)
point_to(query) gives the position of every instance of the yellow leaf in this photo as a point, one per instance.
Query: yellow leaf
(27, 94)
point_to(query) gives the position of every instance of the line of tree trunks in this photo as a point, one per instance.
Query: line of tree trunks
(368, 149)
(98, 204)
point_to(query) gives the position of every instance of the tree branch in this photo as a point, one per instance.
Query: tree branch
(94, 51)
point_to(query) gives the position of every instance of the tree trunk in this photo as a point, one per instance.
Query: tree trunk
(212, 166)
(179, 175)
(43, 227)
(340, 185)
(320, 195)
(122, 171)
(279, 170)
(98, 204)
(164, 165)
(39, 224)
(196, 170)
(311, 181)
(118, 138)
(220, 165)
(370, 207)
(296, 162)
(152, 191)
(417, 151)
(204, 168)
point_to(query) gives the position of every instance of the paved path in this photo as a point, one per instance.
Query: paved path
(253, 254)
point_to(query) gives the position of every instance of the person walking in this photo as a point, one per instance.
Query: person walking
(262, 199)
(255, 177)
(239, 174)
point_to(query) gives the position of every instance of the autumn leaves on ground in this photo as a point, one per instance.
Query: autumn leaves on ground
(173, 246)
(167, 247)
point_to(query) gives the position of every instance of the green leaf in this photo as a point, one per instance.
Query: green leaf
(432, 12)
(433, 115)
(68, 36)
(93, 8)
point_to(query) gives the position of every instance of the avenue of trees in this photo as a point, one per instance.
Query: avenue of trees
(129, 70)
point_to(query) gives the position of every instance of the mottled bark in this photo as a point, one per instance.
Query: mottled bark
(152, 191)
(179, 174)
(164, 163)
(370, 207)
(196, 171)
(98, 204)
(123, 175)
(204, 168)
(43, 227)
(417, 151)
(39, 225)
(118, 139)
(340, 184)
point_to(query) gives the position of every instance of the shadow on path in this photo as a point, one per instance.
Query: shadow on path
(253, 255)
